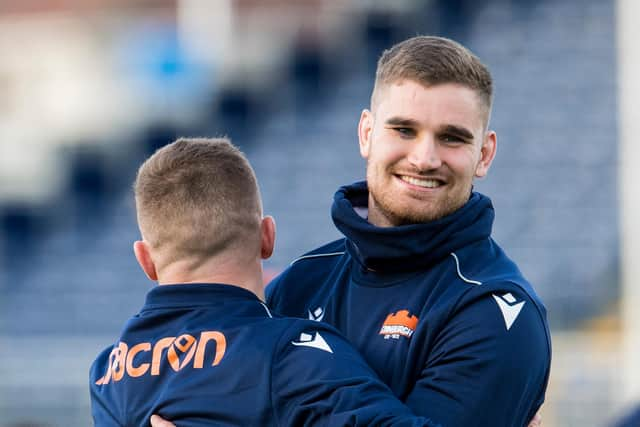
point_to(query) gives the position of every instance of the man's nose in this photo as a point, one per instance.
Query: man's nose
(425, 155)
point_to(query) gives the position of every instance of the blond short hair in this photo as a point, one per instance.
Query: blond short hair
(197, 197)
(431, 60)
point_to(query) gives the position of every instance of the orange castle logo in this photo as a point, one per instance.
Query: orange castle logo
(185, 347)
(400, 323)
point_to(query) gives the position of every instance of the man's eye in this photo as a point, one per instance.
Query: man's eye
(452, 139)
(405, 131)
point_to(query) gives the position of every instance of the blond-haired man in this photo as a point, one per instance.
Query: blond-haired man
(204, 349)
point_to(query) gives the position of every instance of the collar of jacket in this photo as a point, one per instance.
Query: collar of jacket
(196, 294)
(408, 247)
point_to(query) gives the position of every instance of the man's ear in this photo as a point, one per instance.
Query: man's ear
(268, 233)
(487, 154)
(143, 255)
(365, 129)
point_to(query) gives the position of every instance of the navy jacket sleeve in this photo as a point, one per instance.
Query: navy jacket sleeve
(318, 378)
(481, 373)
(102, 414)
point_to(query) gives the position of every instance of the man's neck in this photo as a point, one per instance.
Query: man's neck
(248, 277)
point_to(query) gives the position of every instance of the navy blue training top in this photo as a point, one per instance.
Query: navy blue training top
(437, 310)
(213, 354)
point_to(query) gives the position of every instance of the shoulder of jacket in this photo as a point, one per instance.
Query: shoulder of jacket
(498, 279)
(331, 250)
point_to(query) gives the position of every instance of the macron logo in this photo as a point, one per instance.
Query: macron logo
(183, 352)
(317, 314)
(315, 341)
(509, 308)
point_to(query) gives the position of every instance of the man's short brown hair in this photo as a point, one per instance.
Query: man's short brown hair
(430, 60)
(196, 198)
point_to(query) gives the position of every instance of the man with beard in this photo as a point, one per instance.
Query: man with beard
(417, 284)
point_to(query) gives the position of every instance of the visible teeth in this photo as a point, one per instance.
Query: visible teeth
(427, 183)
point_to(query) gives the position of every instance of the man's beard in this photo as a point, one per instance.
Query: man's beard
(386, 204)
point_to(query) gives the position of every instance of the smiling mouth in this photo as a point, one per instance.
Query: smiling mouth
(422, 182)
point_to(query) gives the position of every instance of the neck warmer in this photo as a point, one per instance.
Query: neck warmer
(408, 247)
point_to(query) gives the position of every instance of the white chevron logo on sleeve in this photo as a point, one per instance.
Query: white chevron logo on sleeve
(509, 308)
(317, 314)
(306, 340)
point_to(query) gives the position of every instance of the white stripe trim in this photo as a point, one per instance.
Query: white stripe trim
(473, 282)
(267, 309)
(316, 256)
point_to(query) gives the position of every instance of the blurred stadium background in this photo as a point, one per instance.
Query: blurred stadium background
(88, 88)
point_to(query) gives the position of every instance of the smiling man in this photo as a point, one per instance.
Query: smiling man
(417, 284)
(423, 146)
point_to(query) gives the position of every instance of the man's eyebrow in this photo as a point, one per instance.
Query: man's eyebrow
(411, 123)
(400, 121)
(458, 131)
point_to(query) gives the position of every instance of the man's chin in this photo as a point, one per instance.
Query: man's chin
(405, 217)
(418, 219)
(398, 210)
